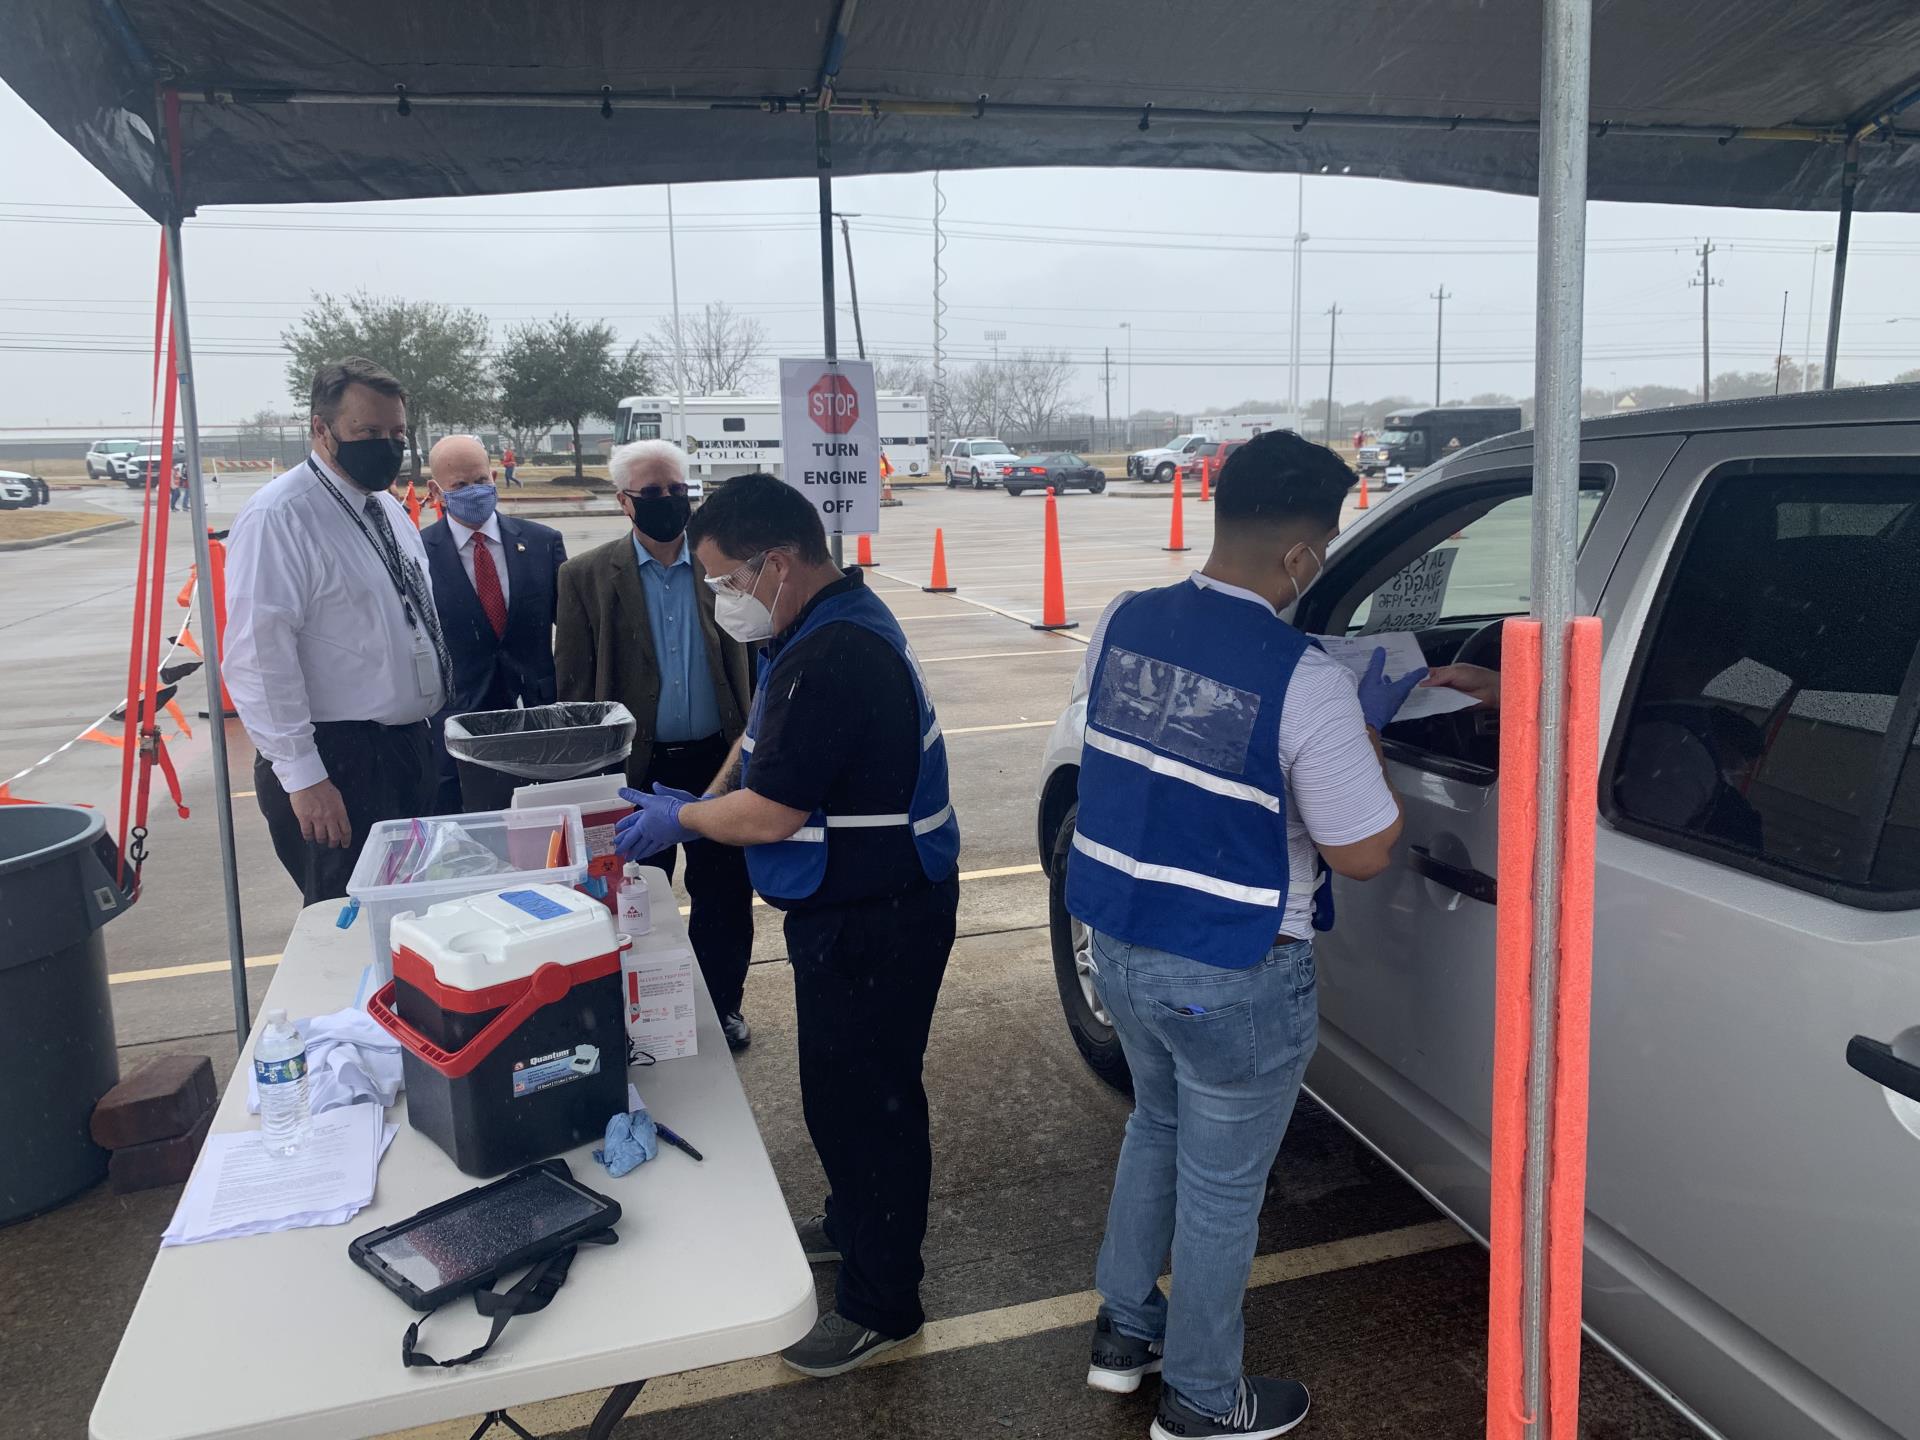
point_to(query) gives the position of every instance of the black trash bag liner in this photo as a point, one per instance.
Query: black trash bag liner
(547, 742)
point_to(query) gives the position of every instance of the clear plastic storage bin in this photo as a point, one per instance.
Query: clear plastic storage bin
(411, 864)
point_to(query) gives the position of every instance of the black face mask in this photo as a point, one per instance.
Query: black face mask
(370, 464)
(660, 517)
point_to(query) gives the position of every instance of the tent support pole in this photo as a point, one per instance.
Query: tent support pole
(1849, 178)
(211, 639)
(823, 161)
(1565, 87)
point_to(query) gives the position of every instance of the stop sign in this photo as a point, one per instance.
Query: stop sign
(833, 404)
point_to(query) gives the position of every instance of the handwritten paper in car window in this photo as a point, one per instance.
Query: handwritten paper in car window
(1413, 598)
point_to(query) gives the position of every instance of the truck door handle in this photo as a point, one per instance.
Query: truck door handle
(1474, 884)
(1875, 1060)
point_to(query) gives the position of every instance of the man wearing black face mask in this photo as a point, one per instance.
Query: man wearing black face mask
(636, 625)
(334, 655)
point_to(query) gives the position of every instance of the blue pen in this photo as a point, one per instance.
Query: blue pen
(1193, 1009)
(676, 1141)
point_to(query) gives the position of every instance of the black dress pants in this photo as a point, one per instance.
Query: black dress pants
(720, 923)
(866, 976)
(383, 772)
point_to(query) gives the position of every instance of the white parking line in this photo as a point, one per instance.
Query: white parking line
(994, 655)
(961, 1332)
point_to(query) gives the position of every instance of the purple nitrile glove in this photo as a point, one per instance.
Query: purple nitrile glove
(655, 823)
(1381, 698)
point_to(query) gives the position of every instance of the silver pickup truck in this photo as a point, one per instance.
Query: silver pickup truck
(1752, 1249)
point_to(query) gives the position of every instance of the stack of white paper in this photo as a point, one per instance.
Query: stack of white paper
(240, 1189)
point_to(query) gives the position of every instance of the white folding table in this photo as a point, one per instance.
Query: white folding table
(282, 1336)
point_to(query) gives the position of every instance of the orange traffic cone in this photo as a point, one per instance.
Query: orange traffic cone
(886, 491)
(1206, 480)
(937, 584)
(1177, 531)
(1361, 503)
(864, 554)
(1053, 589)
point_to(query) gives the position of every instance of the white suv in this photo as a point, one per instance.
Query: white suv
(107, 459)
(982, 462)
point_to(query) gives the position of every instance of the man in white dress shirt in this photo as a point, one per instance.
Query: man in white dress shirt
(334, 654)
(495, 579)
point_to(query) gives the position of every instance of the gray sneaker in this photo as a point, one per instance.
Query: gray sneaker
(814, 1241)
(836, 1345)
(1265, 1408)
(1119, 1360)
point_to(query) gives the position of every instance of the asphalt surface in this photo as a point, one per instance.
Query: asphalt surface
(1361, 1289)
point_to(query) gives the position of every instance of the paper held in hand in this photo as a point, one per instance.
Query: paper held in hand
(1403, 654)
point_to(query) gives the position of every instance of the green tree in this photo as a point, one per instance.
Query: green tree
(439, 352)
(562, 370)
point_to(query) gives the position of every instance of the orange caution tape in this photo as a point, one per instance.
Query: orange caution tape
(185, 597)
(179, 718)
(186, 641)
(100, 737)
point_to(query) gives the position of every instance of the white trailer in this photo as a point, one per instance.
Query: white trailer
(728, 435)
(1244, 426)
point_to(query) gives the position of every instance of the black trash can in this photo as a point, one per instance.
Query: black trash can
(498, 751)
(57, 1051)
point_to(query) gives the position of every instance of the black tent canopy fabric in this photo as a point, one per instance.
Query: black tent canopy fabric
(1721, 102)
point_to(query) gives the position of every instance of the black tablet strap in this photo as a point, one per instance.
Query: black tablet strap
(535, 1290)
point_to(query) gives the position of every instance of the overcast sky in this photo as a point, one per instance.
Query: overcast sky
(1197, 261)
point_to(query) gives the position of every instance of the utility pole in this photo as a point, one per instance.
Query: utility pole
(853, 286)
(1106, 371)
(1806, 350)
(1780, 350)
(937, 402)
(994, 337)
(1333, 334)
(1706, 282)
(1294, 339)
(1439, 329)
(1127, 325)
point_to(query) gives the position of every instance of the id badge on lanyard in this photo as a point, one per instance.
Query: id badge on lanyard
(426, 670)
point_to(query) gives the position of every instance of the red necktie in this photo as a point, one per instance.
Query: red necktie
(486, 584)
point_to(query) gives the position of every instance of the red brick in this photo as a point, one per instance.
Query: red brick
(164, 1098)
(159, 1162)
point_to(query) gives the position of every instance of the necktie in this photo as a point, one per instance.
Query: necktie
(486, 584)
(417, 591)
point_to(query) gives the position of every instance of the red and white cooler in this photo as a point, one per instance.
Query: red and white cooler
(511, 1021)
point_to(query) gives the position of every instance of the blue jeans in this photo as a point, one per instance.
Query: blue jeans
(1217, 1057)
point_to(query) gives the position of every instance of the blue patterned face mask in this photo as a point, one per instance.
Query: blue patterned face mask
(471, 504)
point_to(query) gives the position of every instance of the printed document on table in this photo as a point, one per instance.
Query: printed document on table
(1403, 654)
(240, 1189)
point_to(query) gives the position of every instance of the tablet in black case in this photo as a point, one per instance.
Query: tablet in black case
(467, 1242)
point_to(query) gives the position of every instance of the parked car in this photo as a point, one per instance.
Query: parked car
(1214, 453)
(1754, 1142)
(1060, 469)
(107, 459)
(1160, 462)
(981, 461)
(146, 463)
(18, 491)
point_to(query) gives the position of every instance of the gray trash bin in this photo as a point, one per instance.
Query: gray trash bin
(57, 1052)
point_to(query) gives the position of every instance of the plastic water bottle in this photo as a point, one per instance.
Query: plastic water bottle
(280, 1074)
(636, 905)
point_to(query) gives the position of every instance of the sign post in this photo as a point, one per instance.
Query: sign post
(830, 441)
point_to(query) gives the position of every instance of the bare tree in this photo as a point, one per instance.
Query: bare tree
(1034, 389)
(902, 375)
(972, 399)
(721, 350)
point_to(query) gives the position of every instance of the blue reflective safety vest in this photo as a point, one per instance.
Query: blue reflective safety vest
(1181, 842)
(792, 869)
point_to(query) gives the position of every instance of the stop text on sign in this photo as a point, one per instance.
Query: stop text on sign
(833, 404)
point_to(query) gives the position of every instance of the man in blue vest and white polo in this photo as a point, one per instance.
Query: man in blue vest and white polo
(1226, 757)
(838, 792)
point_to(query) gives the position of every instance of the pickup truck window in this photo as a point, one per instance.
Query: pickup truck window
(1770, 718)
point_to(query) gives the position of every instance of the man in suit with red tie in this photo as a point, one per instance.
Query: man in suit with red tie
(495, 580)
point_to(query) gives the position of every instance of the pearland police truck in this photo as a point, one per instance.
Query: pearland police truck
(728, 435)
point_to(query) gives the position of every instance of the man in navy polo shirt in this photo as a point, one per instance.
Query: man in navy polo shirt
(1226, 756)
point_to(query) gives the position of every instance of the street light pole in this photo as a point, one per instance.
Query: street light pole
(994, 337)
(1295, 339)
(853, 286)
(1333, 334)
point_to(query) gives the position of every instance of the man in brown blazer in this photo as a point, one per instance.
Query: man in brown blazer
(635, 625)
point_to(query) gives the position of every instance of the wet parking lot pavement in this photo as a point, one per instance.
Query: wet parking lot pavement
(1360, 1289)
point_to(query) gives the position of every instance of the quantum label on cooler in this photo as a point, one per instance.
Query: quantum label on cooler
(557, 1067)
(280, 1072)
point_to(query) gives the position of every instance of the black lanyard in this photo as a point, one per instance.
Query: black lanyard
(389, 559)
